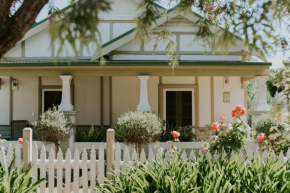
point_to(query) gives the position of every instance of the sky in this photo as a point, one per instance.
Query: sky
(276, 59)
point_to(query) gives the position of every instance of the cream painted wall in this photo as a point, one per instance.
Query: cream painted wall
(14, 52)
(106, 100)
(204, 100)
(25, 99)
(178, 80)
(126, 94)
(51, 80)
(237, 96)
(87, 100)
(5, 101)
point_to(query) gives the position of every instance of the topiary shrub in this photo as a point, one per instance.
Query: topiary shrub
(138, 127)
(53, 127)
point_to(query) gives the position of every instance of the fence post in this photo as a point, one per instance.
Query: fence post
(110, 153)
(27, 148)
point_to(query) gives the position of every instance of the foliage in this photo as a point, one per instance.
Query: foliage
(278, 139)
(93, 135)
(166, 133)
(280, 79)
(252, 92)
(264, 123)
(80, 22)
(53, 127)
(13, 180)
(138, 127)
(176, 175)
(186, 133)
(254, 21)
(234, 137)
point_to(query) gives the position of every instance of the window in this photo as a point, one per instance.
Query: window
(50, 98)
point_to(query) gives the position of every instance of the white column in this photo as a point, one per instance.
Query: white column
(143, 104)
(65, 104)
(262, 104)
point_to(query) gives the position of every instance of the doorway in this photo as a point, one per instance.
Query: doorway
(178, 107)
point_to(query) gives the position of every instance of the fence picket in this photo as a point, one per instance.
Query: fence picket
(117, 159)
(93, 168)
(265, 156)
(192, 156)
(17, 155)
(85, 171)
(51, 171)
(76, 182)
(143, 156)
(288, 154)
(59, 171)
(3, 158)
(134, 155)
(241, 156)
(151, 156)
(42, 168)
(34, 162)
(101, 165)
(126, 159)
(281, 155)
(67, 171)
(9, 155)
(183, 155)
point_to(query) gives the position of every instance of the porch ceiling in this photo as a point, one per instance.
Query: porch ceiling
(135, 68)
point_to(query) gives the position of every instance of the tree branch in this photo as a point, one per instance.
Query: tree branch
(14, 29)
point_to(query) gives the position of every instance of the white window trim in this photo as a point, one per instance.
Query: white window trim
(42, 100)
(179, 89)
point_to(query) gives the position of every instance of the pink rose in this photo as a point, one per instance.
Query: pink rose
(175, 134)
(216, 126)
(239, 111)
(261, 137)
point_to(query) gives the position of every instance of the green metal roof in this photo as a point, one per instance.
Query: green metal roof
(133, 63)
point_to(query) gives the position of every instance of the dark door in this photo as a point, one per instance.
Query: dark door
(51, 98)
(178, 108)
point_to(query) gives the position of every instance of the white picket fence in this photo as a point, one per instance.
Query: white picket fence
(77, 172)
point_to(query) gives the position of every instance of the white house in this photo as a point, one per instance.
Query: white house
(197, 92)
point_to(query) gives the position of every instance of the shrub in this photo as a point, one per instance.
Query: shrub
(138, 127)
(97, 134)
(235, 135)
(186, 133)
(264, 123)
(13, 180)
(53, 127)
(178, 175)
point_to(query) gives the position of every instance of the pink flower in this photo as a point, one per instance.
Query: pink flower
(175, 134)
(216, 126)
(239, 111)
(224, 116)
(272, 138)
(261, 137)
(20, 140)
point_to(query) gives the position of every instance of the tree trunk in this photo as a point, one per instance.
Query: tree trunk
(56, 148)
(13, 28)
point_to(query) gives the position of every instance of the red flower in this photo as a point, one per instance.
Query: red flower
(20, 140)
(216, 126)
(205, 150)
(239, 111)
(261, 137)
(224, 116)
(175, 134)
